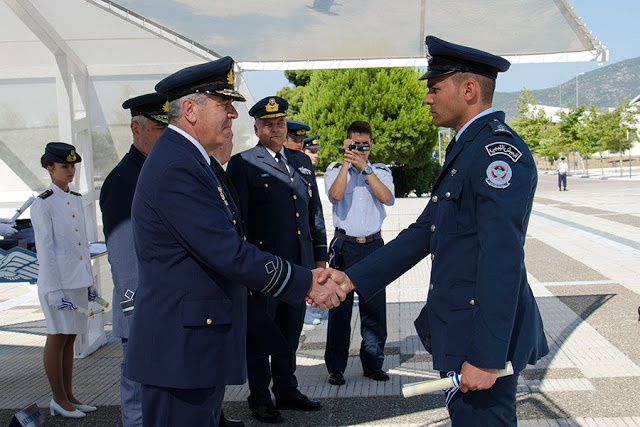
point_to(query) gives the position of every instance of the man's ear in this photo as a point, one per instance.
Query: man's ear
(135, 129)
(189, 108)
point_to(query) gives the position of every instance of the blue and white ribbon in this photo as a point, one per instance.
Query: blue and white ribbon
(455, 380)
(66, 304)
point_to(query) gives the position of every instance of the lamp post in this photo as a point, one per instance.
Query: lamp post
(577, 99)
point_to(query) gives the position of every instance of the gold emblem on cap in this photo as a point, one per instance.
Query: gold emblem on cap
(272, 106)
(230, 78)
(165, 107)
(301, 132)
(72, 156)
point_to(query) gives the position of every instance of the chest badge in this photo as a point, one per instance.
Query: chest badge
(499, 174)
(454, 171)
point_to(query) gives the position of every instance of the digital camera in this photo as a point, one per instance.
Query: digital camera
(360, 146)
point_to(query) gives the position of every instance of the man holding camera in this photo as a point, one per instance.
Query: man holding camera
(358, 191)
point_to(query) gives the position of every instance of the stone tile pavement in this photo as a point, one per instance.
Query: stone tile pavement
(583, 257)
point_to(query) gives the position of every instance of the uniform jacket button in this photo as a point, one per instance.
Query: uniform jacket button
(432, 257)
(431, 287)
(80, 257)
(295, 197)
(472, 302)
(433, 228)
(79, 243)
(447, 194)
(209, 321)
(434, 199)
(73, 215)
(266, 185)
(291, 179)
(234, 222)
(259, 242)
(299, 232)
(297, 214)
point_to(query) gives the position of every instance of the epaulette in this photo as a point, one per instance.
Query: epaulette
(499, 128)
(75, 194)
(46, 194)
(382, 166)
(333, 165)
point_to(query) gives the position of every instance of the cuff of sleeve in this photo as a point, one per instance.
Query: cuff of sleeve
(296, 291)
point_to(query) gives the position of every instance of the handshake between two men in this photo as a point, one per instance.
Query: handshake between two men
(329, 288)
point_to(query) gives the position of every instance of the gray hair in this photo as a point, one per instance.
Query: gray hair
(175, 106)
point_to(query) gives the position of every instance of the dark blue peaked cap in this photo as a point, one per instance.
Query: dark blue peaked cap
(269, 108)
(297, 129)
(61, 152)
(152, 105)
(446, 58)
(214, 78)
(312, 142)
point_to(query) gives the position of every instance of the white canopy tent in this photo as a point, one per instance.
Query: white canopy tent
(66, 66)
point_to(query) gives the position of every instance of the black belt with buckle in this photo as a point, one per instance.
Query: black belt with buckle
(340, 234)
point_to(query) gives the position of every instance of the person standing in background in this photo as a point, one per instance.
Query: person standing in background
(563, 170)
(311, 145)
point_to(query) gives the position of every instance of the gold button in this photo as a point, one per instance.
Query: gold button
(68, 202)
(259, 242)
(80, 257)
(234, 222)
(244, 237)
(433, 228)
(447, 194)
(295, 197)
(434, 199)
(209, 321)
(297, 214)
(266, 185)
(432, 257)
(299, 232)
(431, 287)
(472, 302)
(291, 179)
(73, 215)
(79, 243)
(76, 230)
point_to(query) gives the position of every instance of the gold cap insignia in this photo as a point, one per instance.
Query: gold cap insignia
(72, 156)
(272, 106)
(301, 132)
(230, 78)
(165, 107)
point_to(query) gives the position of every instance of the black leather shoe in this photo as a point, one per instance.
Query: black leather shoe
(376, 374)
(229, 422)
(299, 403)
(336, 378)
(267, 413)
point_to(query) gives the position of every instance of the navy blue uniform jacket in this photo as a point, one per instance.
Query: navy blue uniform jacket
(480, 307)
(189, 328)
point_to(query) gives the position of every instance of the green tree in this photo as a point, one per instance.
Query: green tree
(390, 99)
(534, 126)
(295, 95)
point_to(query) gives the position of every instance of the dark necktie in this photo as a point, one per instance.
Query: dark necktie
(449, 147)
(281, 162)
(226, 182)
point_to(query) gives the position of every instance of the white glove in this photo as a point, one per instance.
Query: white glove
(54, 299)
(7, 230)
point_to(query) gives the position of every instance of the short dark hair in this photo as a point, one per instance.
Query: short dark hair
(487, 85)
(359, 126)
(44, 162)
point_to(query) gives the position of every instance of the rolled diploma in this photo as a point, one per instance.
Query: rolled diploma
(424, 387)
(22, 208)
(101, 301)
(84, 312)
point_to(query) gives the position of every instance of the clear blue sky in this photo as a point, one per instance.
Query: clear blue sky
(616, 23)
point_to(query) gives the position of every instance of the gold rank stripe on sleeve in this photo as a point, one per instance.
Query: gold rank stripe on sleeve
(281, 276)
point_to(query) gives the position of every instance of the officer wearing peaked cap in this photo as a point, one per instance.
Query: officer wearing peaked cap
(480, 311)
(310, 147)
(148, 121)
(296, 133)
(187, 339)
(283, 215)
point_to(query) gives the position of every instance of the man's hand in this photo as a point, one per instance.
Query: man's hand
(354, 157)
(472, 378)
(331, 277)
(324, 293)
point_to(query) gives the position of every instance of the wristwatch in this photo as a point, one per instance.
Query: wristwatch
(368, 170)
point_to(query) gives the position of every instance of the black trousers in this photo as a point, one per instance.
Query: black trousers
(562, 180)
(169, 407)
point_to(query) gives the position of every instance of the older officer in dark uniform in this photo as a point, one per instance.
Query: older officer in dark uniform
(480, 311)
(148, 121)
(283, 215)
(187, 339)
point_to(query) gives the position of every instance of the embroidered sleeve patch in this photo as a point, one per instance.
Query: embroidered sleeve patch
(499, 174)
(503, 148)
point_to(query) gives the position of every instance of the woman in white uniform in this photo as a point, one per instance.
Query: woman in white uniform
(64, 277)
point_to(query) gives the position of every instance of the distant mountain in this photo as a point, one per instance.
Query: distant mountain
(605, 87)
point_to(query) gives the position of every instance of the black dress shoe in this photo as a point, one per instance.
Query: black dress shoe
(299, 403)
(229, 422)
(376, 374)
(267, 413)
(336, 378)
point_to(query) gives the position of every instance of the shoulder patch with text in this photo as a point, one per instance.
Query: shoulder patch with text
(503, 148)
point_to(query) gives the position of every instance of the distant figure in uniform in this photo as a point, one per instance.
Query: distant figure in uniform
(311, 145)
(296, 133)
(283, 215)
(148, 121)
(480, 311)
(187, 339)
(358, 191)
(563, 170)
(65, 278)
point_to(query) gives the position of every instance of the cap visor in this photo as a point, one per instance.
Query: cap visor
(231, 94)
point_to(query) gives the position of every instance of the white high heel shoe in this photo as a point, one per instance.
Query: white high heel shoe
(57, 409)
(84, 408)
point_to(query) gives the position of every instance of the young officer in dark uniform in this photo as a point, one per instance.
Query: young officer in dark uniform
(480, 311)
(296, 133)
(282, 213)
(148, 121)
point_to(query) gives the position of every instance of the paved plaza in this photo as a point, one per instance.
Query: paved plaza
(583, 259)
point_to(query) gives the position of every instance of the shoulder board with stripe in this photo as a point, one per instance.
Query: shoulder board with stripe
(333, 165)
(75, 194)
(499, 128)
(45, 194)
